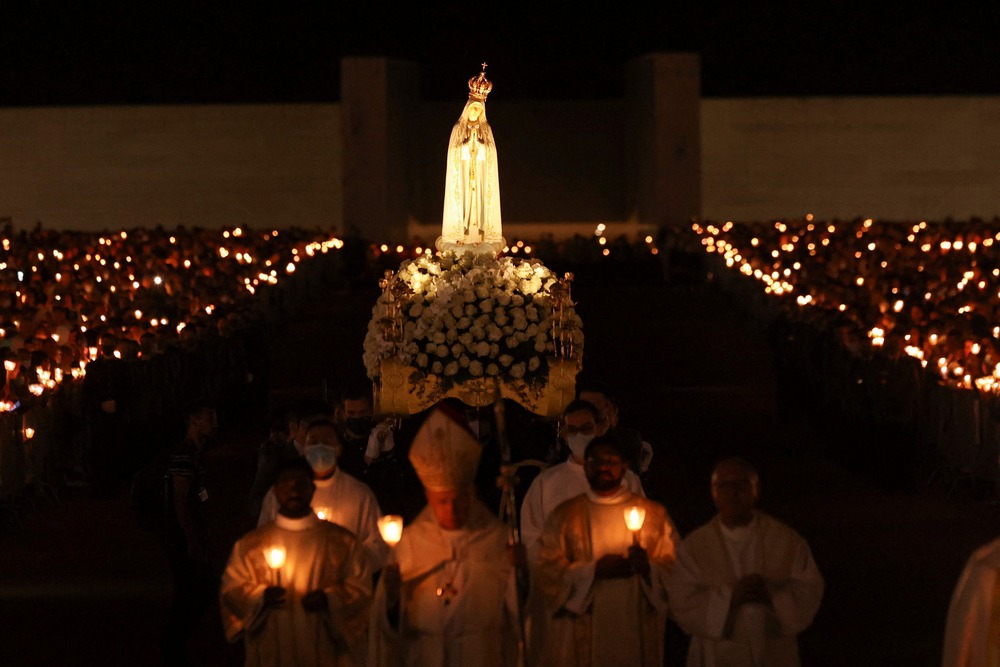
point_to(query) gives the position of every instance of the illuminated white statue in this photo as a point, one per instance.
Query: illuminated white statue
(471, 218)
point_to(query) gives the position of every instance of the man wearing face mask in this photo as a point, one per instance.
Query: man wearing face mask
(565, 480)
(354, 419)
(554, 486)
(279, 447)
(339, 497)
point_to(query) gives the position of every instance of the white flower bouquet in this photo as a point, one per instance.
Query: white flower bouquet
(462, 319)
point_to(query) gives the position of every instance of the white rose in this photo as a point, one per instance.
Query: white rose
(482, 292)
(494, 350)
(508, 330)
(465, 339)
(516, 313)
(503, 299)
(494, 333)
(517, 370)
(464, 323)
(483, 349)
(506, 360)
(517, 300)
(457, 311)
(478, 332)
(463, 361)
(438, 337)
(416, 310)
(429, 348)
(456, 350)
(486, 305)
(422, 360)
(476, 368)
(451, 368)
(492, 369)
(451, 335)
(534, 363)
(511, 342)
(469, 295)
(532, 330)
(441, 351)
(520, 324)
(501, 319)
(539, 346)
(482, 321)
(470, 310)
(437, 367)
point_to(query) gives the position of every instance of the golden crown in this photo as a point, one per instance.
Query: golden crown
(480, 86)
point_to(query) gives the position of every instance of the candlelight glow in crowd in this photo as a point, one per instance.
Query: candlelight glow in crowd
(930, 290)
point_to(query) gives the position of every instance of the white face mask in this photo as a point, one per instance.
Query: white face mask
(321, 457)
(578, 443)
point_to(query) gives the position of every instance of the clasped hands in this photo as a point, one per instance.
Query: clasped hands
(751, 589)
(274, 596)
(616, 566)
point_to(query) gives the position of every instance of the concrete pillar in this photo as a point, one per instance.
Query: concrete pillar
(663, 139)
(377, 99)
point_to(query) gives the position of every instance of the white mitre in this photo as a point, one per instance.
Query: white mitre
(444, 452)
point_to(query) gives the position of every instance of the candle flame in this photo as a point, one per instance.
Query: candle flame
(390, 527)
(635, 516)
(275, 557)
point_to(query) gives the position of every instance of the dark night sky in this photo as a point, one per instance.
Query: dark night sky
(182, 52)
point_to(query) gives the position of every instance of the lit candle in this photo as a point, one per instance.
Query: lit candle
(9, 365)
(323, 513)
(275, 557)
(390, 527)
(29, 433)
(635, 516)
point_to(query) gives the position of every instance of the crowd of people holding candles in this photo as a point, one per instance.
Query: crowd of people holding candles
(887, 326)
(104, 337)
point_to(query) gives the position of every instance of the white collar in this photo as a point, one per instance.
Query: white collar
(618, 496)
(288, 523)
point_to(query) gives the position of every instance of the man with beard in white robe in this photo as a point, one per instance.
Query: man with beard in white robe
(449, 599)
(972, 630)
(339, 498)
(551, 488)
(313, 608)
(745, 584)
(604, 586)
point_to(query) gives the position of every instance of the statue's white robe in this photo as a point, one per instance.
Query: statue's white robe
(753, 635)
(972, 629)
(348, 503)
(320, 556)
(603, 622)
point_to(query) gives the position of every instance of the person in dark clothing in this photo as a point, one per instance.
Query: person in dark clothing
(185, 539)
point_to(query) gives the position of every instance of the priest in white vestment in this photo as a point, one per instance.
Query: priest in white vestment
(310, 606)
(745, 584)
(339, 498)
(449, 599)
(605, 587)
(972, 629)
(551, 488)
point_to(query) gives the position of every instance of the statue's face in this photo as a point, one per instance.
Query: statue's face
(474, 112)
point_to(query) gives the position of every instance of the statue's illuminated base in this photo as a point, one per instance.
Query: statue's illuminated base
(398, 395)
(490, 247)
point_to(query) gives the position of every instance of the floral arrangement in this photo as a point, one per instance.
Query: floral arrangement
(465, 318)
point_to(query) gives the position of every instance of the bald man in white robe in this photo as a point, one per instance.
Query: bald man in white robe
(745, 584)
